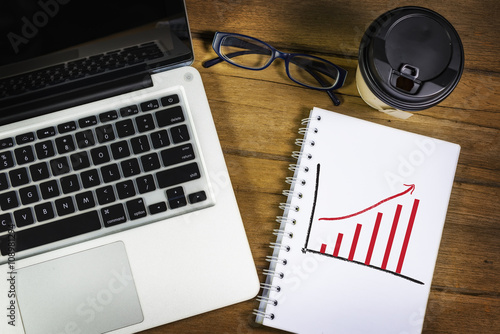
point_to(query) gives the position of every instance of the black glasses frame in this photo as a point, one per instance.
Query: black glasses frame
(275, 54)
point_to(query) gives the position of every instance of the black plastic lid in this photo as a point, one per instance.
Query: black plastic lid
(411, 58)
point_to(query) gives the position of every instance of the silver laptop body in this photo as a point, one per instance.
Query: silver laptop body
(118, 215)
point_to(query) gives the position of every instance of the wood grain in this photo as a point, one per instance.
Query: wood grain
(257, 115)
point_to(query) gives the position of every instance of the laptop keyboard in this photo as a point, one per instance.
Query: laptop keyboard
(100, 174)
(78, 69)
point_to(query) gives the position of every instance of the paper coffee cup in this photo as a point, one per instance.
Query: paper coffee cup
(410, 59)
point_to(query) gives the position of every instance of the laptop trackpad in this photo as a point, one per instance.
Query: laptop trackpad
(88, 292)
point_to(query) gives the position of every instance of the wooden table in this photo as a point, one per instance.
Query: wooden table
(257, 115)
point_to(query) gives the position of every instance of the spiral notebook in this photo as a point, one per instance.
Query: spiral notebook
(360, 232)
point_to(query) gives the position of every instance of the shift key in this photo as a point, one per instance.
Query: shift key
(177, 175)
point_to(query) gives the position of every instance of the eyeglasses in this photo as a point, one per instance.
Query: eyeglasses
(253, 54)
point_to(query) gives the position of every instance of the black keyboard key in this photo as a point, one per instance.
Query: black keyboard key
(4, 184)
(105, 133)
(25, 138)
(59, 166)
(45, 150)
(145, 184)
(52, 232)
(179, 134)
(120, 150)
(100, 155)
(18, 177)
(90, 178)
(176, 198)
(6, 143)
(47, 132)
(87, 121)
(24, 155)
(136, 209)
(140, 144)
(169, 100)
(150, 162)
(157, 208)
(129, 111)
(70, 184)
(125, 189)
(65, 144)
(66, 127)
(108, 116)
(44, 211)
(160, 139)
(145, 123)
(130, 167)
(6, 222)
(65, 206)
(105, 195)
(197, 197)
(29, 195)
(85, 200)
(169, 116)
(150, 105)
(110, 173)
(8, 200)
(80, 160)
(24, 217)
(49, 189)
(39, 171)
(6, 160)
(113, 215)
(177, 155)
(125, 128)
(85, 139)
(178, 175)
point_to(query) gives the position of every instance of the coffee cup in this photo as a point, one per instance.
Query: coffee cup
(410, 59)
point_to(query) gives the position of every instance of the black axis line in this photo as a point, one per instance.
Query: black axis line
(313, 208)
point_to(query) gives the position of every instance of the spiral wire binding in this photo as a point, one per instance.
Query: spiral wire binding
(288, 206)
(288, 193)
(276, 245)
(284, 221)
(294, 167)
(273, 273)
(273, 302)
(280, 232)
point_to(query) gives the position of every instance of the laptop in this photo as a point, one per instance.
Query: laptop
(117, 210)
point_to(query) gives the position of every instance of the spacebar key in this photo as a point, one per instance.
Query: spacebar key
(52, 232)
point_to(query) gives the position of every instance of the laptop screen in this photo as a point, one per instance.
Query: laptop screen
(61, 41)
(33, 28)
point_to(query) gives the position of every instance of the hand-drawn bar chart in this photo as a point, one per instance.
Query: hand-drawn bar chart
(348, 242)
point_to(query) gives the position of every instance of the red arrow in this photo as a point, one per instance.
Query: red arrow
(409, 190)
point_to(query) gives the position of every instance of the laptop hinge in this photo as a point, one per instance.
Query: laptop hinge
(71, 95)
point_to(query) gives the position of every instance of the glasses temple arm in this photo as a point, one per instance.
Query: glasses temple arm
(212, 62)
(333, 97)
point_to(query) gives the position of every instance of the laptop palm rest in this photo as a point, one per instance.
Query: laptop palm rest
(92, 291)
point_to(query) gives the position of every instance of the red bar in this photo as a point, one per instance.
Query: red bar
(391, 236)
(337, 245)
(373, 239)
(323, 249)
(407, 236)
(354, 242)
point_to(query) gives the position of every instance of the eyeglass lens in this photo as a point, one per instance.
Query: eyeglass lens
(312, 72)
(245, 52)
(253, 54)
